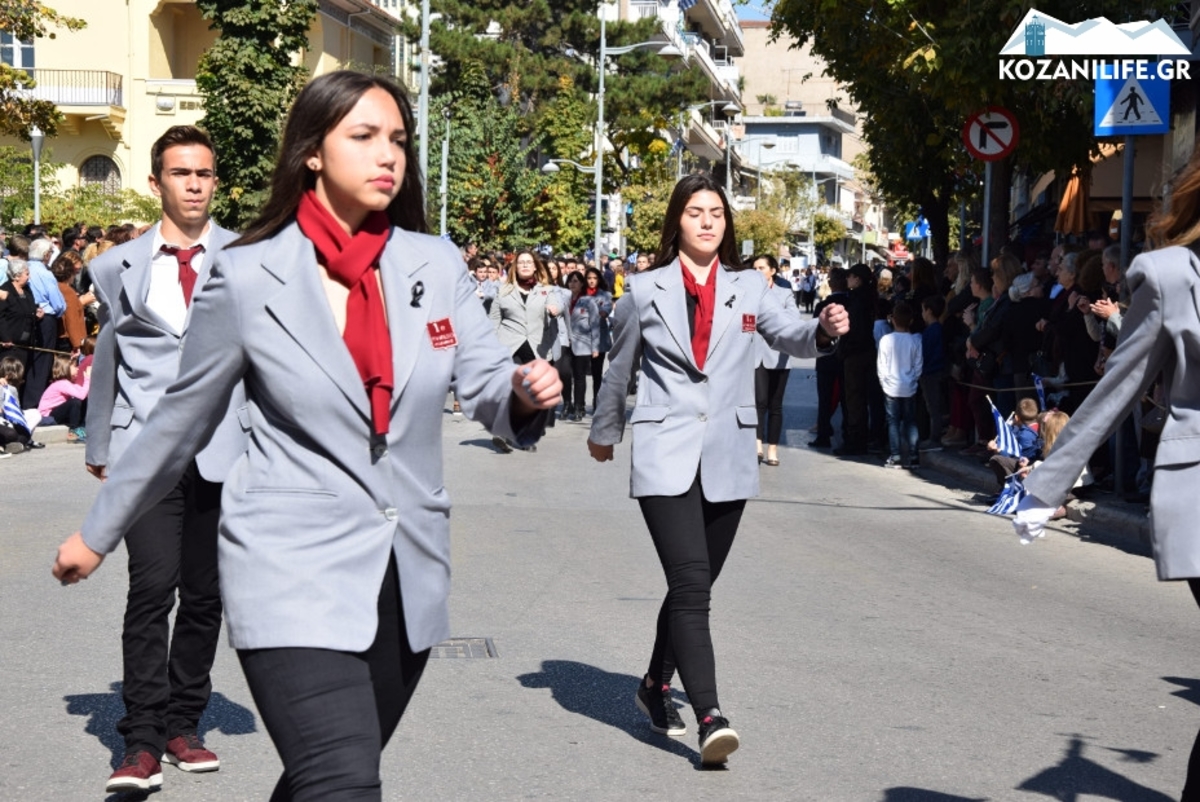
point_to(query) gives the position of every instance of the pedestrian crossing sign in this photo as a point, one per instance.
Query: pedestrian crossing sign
(1132, 104)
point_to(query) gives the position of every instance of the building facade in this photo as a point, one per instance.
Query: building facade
(131, 74)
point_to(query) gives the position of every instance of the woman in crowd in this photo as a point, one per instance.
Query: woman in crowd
(688, 324)
(348, 327)
(1161, 332)
(19, 313)
(72, 326)
(525, 313)
(597, 289)
(958, 299)
(857, 352)
(771, 371)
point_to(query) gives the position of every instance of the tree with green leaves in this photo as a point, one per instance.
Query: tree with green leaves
(28, 20)
(248, 79)
(827, 231)
(917, 69)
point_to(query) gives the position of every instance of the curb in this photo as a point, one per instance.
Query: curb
(51, 434)
(1106, 515)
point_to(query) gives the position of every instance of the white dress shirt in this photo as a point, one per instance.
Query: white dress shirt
(165, 296)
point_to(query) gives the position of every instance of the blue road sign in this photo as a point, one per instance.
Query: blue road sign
(1139, 103)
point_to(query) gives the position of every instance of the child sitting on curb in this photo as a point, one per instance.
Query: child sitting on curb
(1028, 442)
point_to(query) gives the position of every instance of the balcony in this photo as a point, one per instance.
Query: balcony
(722, 75)
(83, 95)
(718, 19)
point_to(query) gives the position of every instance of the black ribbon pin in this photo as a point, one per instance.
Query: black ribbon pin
(729, 303)
(418, 292)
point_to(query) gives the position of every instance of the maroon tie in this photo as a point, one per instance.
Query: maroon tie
(187, 276)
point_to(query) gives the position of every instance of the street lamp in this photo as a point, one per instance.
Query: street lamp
(761, 148)
(667, 51)
(730, 110)
(37, 138)
(551, 166)
(423, 97)
(445, 164)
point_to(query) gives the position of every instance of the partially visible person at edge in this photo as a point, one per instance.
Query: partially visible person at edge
(146, 288)
(334, 542)
(526, 315)
(1160, 332)
(687, 326)
(771, 371)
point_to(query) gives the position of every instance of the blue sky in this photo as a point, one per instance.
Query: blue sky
(756, 9)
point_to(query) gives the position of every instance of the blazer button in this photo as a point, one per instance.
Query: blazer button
(702, 417)
(379, 452)
(390, 513)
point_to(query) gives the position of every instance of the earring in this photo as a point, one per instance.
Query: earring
(312, 165)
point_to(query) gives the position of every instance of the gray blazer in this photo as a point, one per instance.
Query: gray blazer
(585, 325)
(1161, 331)
(137, 358)
(687, 420)
(311, 512)
(517, 321)
(766, 356)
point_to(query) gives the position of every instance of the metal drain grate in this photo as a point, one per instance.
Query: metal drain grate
(461, 648)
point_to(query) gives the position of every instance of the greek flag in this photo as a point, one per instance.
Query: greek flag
(684, 5)
(1006, 437)
(12, 409)
(1010, 497)
(676, 148)
(1041, 390)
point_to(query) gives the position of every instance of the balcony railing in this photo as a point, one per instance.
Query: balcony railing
(78, 87)
(643, 9)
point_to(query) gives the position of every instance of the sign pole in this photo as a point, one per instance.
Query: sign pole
(1126, 249)
(987, 213)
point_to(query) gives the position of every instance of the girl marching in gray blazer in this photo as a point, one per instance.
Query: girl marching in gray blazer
(597, 289)
(585, 324)
(771, 371)
(1160, 332)
(347, 322)
(687, 326)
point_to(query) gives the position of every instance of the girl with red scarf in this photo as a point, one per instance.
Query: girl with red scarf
(348, 325)
(687, 327)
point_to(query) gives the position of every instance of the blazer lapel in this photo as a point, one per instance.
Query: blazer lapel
(671, 305)
(726, 305)
(135, 278)
(301, 309)
(401, 265)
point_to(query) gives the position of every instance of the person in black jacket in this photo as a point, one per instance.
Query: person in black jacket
(856, 349)
(19, 313)
(829, 368)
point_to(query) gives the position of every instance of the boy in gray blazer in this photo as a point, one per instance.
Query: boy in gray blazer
(145, 288)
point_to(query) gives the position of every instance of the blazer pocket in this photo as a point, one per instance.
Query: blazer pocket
(293, 492)
(747, 416)
(243, 416)
(648, 414)
(122, 416)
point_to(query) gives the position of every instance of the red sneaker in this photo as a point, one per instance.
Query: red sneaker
(188, 753)
(139, 771)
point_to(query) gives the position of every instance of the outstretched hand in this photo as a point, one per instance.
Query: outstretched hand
(536, 386)
(75, 560)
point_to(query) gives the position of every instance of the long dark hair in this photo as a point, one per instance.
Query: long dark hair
(318, 109)
(601, 284)
(668, 249)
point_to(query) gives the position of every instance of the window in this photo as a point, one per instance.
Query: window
(16, 53)
(102, 171)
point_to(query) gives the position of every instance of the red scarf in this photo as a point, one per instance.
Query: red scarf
(592, 290)
(705, 295)
(352, 261)
(527, 284)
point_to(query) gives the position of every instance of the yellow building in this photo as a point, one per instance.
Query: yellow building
(130, 74)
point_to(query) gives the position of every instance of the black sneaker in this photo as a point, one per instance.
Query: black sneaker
(657, 704)
(717, 739)
(502, 445)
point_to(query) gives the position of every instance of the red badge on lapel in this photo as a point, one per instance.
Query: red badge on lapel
(748, 323)
(441, 334)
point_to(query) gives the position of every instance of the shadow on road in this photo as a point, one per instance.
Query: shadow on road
(903, 794)
(1189, 688)
(605, 697)
(104, 710)
(1075, 776)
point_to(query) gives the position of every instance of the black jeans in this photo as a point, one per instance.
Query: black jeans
(331, 713)
(69, 413)
(37, 369)
(829, 390)
(858, 373)
(563, 363)
(692, 536)
(597, 375)
(769, 387)
(173, 547)
(581, 366)
(1191, 786)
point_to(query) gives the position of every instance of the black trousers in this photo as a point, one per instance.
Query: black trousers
(581, 366)
(1191, 786)
(69, 413)
(564, 362)
(829, 390)
(857, 371)
(597, 375)
(37, 369)
(769, 387)
(172, 548)
(330, 713)
(692, 536)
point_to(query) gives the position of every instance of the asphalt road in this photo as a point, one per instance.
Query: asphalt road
(878, 638)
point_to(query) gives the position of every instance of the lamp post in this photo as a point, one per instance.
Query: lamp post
(763, 146)
(36, 139)
(423, 97)
(445, 165)
(667, 51)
